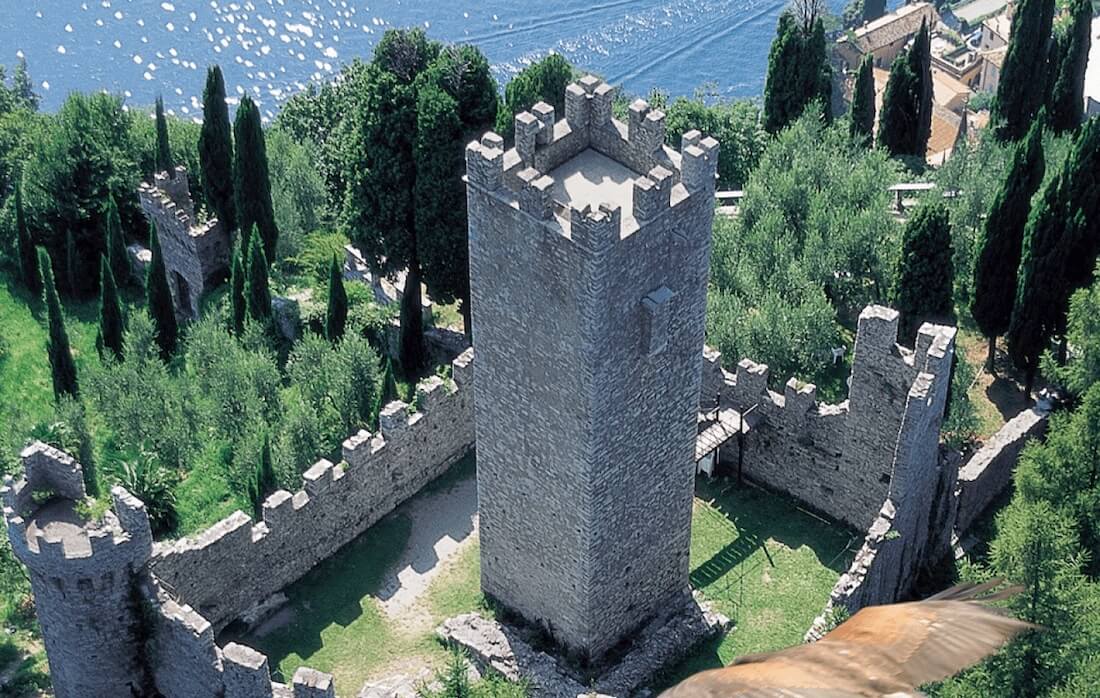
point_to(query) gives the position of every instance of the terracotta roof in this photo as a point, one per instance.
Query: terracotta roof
(900, 24)
(945, 131)
(948, 91)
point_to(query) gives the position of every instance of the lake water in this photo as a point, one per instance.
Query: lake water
(273, 48)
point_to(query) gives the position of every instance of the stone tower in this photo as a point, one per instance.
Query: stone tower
(589, 254)
(83, 575)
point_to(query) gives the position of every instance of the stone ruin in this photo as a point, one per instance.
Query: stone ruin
(196, 254)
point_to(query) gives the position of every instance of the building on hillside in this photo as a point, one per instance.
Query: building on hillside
(956, 59)
(995, 30)
(992, 60)
(948, 129)
(971, 14)
(589, 256)
(885, 37)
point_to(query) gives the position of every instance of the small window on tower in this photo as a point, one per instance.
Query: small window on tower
(655, 318)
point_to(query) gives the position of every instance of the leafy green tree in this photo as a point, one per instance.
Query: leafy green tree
(336, 313)
(736, 125)
(145, 477)
(22, 87)
(862, 124)
(925, 273)
(380, 208)
(216, 150)
(814, 241)
(109, 335)
(159, 300)
(117, 257)
(251, 179)
(1083, 334)
(85, 155)
(62, 366)
(1067, 98)
(1001, 243)
(1019, 94)
(164, 152)
(542, 81)
(259, 291)
(28, 256)
(297, 191)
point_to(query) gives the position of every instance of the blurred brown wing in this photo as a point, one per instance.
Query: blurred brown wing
(928, 640)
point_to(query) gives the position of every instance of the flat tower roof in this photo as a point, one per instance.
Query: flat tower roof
(591, 178)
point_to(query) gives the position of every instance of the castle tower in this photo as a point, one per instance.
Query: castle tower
(589, 254)
(196, 253)
(82, 574)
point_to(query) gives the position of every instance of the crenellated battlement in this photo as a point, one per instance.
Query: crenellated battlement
(844, 459)
(236, 563)
(587, 176)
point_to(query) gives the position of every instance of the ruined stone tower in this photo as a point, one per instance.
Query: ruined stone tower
(589, 254)
(83, 575)
(196, 255)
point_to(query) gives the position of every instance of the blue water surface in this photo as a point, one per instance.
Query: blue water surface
(273, 48)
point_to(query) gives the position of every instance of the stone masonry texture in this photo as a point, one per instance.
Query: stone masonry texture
(196, 256)
(588, 326)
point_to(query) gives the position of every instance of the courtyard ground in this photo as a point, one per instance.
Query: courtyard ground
(370, 610)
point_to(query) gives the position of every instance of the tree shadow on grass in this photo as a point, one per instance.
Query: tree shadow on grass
(760, 516)
(340, 591)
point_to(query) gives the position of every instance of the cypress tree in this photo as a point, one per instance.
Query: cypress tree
(1067, 98)
(925, 274)
(251, 179)
(159, 300)
(28, 256)
(117, 257)
(238, 306)
(1019, 93)
(62, 366)
(265, 473)
(1001, 243)
(1041, 283)
(920, 64)
(109, 336)
(164, 153)
(1081, 204)
(414, 352)
(862, 125)
(259, 292)
(21, 86)
(72, 265)
(336, 314)
(780, 85)
(897, 122)
(216, 150)
(388, 393)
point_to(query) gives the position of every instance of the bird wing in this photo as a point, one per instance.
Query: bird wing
(927, 640)
(881, 650)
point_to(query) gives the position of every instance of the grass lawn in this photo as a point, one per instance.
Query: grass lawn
(996, 399)
(26, 393)
(763, 562)
(337, 624)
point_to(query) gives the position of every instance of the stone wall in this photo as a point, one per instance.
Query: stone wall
(916, 524)
(196, 256)
(989, 471)
(839, 459)
(224, 570)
